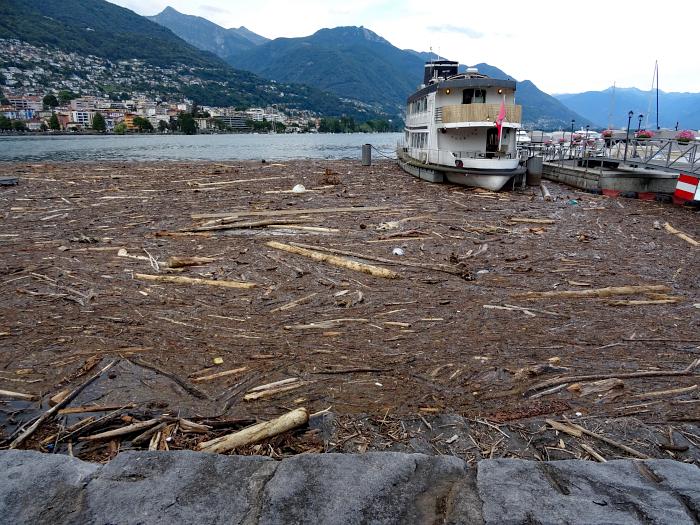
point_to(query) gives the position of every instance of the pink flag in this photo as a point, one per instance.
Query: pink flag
(500, 118)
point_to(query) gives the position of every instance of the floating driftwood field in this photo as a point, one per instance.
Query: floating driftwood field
(213, 307)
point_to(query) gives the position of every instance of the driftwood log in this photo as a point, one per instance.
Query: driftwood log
(598, 292)
(334, 260)
(689, 370)
(176, 279)
(248, 436)
(410, 264)
(687, 238)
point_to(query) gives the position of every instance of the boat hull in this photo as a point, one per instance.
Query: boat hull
(483, 177)
(489, 180)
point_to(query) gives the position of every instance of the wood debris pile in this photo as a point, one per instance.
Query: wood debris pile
(210, 307)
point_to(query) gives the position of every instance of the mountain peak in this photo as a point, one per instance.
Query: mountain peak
(352, 32)
(170, 11)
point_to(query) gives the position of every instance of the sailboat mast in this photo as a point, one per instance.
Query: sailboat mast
(611, 113)
(654, 79)
(657, 96)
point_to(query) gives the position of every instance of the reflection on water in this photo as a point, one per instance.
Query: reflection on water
(198, 147)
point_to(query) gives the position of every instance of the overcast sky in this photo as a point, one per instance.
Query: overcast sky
(563, 47)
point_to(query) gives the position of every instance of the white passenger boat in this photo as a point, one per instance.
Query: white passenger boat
(462, 127)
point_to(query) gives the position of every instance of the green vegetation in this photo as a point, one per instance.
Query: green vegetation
(64, 96)
(187, 124)
(264, 126)
(348, 125)
(7, 124)
(143, 124)
(99, 123)
(53, 122)
(50, 101)
(206, 35)
(100, 28)
(352, 62)
(114, 32)
(162, 126)
(121, 129)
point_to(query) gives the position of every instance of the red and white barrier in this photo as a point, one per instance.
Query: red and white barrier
(687, 188)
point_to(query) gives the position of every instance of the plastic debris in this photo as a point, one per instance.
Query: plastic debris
(397, 251)
(218, 361)
(299, 188)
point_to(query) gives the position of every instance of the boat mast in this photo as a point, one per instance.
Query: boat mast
(654, 78)
(657, 96)
(612, 107)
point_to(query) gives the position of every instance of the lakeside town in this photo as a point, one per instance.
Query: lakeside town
(55, 112)
(49, 90)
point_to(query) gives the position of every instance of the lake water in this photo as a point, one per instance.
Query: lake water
(45, 148)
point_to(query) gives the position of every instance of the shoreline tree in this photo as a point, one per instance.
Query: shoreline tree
(50, 101)
(54, 124)
(187, 124)
(143, 124)
(99, 123)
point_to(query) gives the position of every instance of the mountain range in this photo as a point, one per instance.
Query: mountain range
(206, 35)
(682, 109)
(348, 71)
(352, 62)
(102, 29)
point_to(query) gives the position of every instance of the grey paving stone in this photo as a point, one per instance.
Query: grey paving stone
(373, 488)
(580, 492)
(42, 488)
(176, 487)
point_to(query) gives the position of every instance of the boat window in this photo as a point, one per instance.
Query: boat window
(474, 96)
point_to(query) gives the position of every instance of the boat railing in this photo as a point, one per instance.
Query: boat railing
(456, 113)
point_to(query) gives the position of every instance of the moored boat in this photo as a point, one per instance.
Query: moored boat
(463, 127)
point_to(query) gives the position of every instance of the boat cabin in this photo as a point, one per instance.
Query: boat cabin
(453, 116)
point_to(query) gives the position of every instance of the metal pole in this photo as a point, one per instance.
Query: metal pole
(627, 139)
(366, 154)
(571, 137)
(636, 140)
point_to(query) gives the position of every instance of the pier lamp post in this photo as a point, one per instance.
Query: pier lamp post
(627, 139)
(571, 137)
(636, 137)
(585, 144)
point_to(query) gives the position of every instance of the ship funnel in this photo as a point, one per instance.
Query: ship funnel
(439, 69)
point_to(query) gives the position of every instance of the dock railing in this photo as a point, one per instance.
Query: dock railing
(663, 154)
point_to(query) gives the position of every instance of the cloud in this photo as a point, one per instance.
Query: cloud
(467, 31)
